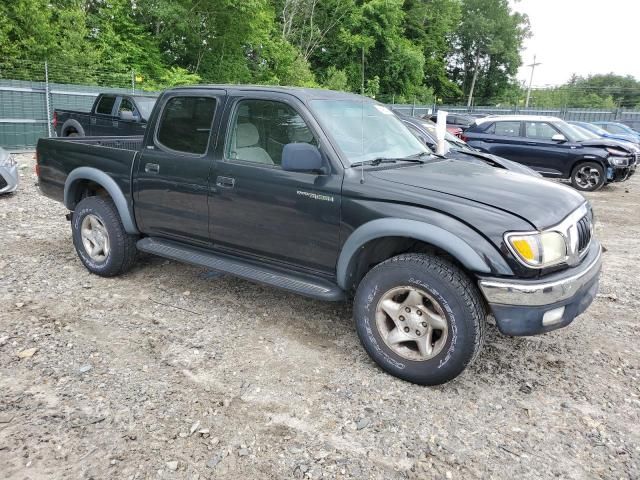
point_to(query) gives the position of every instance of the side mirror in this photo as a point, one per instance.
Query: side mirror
(126, 115)
(302, 157)
(558, 137)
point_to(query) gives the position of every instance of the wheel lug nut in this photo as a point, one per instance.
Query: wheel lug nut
(418, 333)
(401, 318)
(419, 312)
(406, 329)
(424, 324)
(408, 310)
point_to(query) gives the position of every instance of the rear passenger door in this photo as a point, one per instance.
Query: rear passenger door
(172, 175)
(503, 138)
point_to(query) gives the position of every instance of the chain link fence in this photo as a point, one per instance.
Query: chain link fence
(31, 91)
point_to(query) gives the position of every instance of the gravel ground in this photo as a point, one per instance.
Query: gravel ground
(173, 372)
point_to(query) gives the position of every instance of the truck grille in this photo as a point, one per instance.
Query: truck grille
(584, 232)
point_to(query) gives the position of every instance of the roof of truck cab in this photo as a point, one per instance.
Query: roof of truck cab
(517, 118)
(299, 92)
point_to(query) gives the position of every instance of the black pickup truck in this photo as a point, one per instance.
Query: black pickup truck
(329, 195)
(110, 115)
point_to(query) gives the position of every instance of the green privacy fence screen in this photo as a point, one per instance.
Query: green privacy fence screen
(29, 96)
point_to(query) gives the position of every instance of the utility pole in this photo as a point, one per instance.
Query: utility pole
(362, 67)
(533, 67)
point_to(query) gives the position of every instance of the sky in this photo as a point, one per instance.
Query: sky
(580, 36)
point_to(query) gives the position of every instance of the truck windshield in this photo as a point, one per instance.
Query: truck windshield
(145, 105)
(365, 130)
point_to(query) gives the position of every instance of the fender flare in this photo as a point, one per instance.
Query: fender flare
(109, 184)
(72, 123)
(396, 227)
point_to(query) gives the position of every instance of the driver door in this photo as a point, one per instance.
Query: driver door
(256, 208)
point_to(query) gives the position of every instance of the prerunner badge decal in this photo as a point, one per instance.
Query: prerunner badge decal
(315, 196)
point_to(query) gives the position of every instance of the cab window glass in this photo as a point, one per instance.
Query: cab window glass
(261, 128)
(186, 124)
(126, 106)
(507, 129)
(105, 107)
(539, 130)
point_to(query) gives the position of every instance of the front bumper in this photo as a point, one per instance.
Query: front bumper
(9, 178)
(620, 174)
(531, 307)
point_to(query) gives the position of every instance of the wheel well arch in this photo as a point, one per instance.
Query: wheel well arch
(381, 239)
(383, 248)
(600, 161)
(71, 126)
(88, 181)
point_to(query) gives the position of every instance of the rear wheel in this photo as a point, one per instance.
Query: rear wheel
(588, 176)
(102, 244)
(420, 318)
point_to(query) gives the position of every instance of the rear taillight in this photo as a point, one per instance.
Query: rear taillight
(37, 167)
(464, 138)
(55, 119)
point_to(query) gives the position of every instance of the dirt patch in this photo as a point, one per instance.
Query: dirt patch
(172, 372)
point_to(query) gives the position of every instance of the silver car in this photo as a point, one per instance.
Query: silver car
(8, 172)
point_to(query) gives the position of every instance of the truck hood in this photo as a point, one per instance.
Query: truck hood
(493, 160)
(542, 203)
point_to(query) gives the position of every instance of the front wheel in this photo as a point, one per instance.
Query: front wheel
(102, 244)
(588, 177)
(420, 318)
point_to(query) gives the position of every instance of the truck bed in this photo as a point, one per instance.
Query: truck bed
(57, 157)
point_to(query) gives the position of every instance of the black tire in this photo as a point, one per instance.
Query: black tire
(72, 128)
(122, 246)
(459, 300)
(579, 182)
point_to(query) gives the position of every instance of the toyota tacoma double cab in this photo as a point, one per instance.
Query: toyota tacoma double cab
(110, 115)
(329, 195)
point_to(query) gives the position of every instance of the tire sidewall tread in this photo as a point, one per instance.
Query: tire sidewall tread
(122, 246)
(458, 297)
(594, 164)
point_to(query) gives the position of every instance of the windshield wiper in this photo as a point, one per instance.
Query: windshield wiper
(377, 161)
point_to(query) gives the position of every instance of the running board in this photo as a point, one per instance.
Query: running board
(297, 283)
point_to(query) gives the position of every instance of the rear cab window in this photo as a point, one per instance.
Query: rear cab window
(185, 124)
(105, 105)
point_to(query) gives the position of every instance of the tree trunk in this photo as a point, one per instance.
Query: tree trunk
(475, 78)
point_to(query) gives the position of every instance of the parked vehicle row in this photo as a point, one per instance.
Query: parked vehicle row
(555, 149)
(113, 115)
(329, 195)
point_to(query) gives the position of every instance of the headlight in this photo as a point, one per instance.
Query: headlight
(538, 249)
(619, 161)
(8, 162)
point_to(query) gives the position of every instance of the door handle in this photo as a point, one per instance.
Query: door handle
(225, 182)
(152, 168)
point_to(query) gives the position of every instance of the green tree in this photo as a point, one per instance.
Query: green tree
(431, 24)
(488, 43)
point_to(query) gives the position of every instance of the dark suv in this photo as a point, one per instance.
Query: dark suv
(554, 148)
